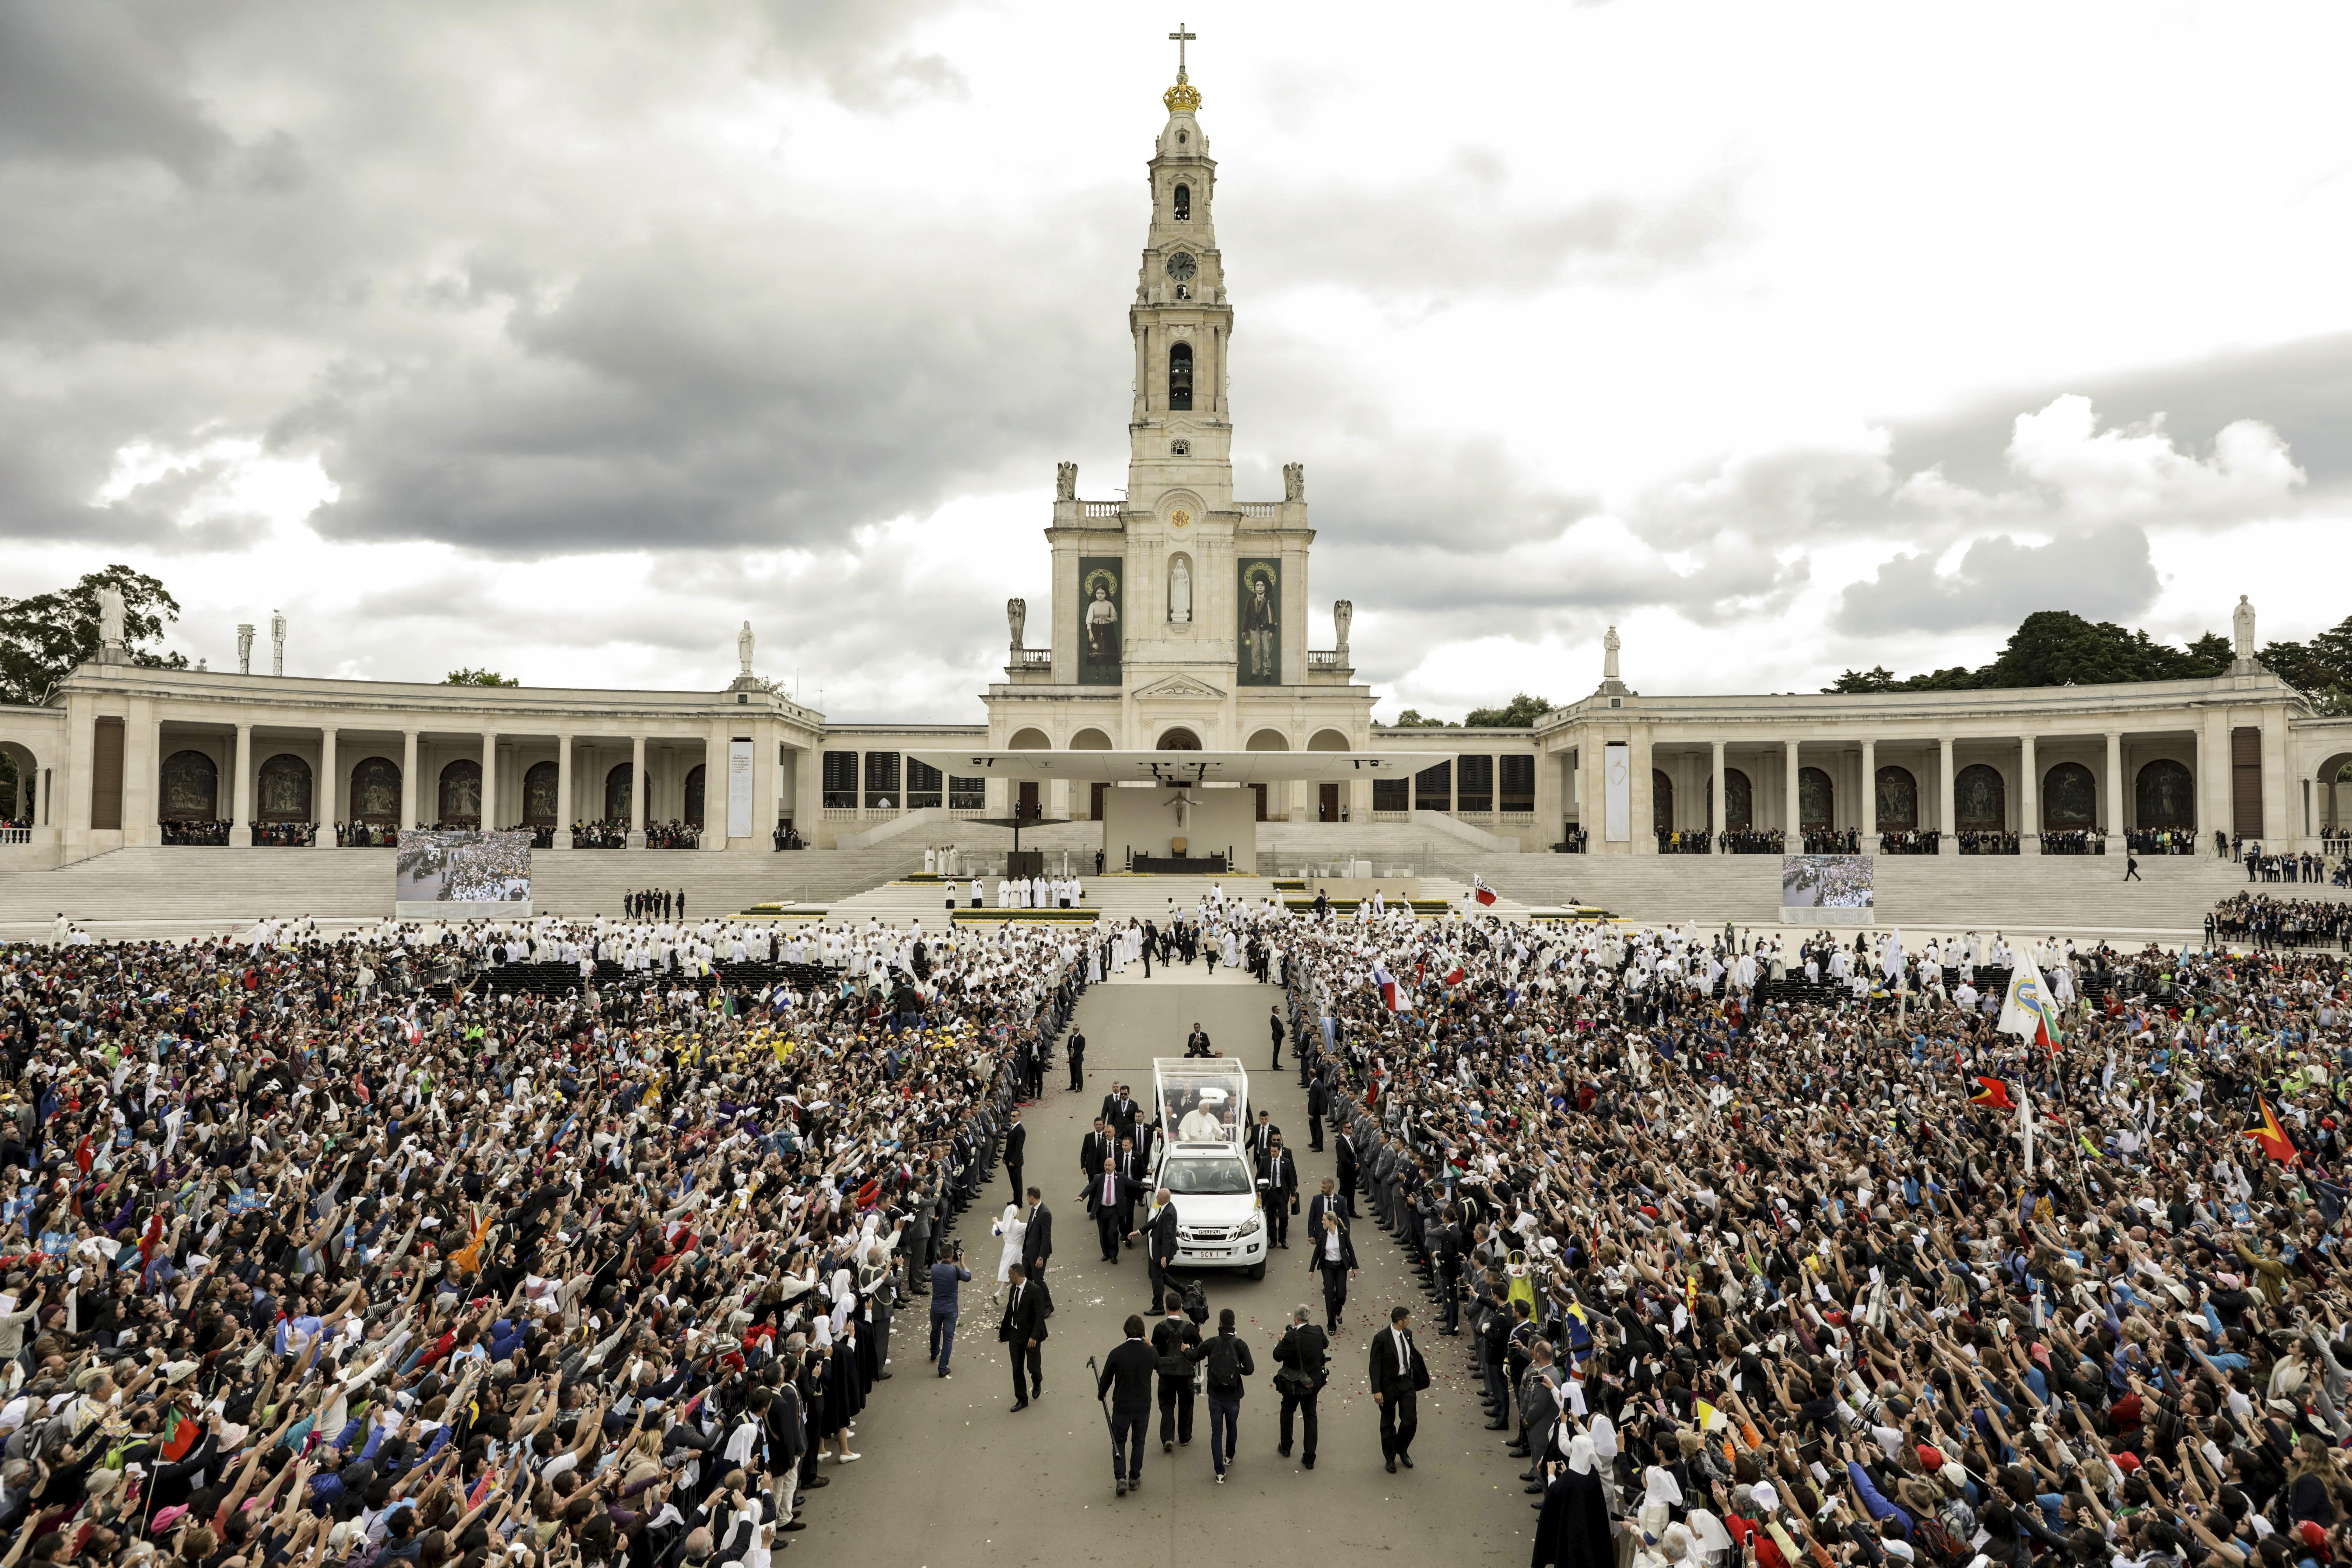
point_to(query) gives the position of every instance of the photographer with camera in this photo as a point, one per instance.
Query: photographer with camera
(1176, 1340)
(946, 1274)
(1303, 1362)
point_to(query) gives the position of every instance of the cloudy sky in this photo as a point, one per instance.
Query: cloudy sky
(562, 337)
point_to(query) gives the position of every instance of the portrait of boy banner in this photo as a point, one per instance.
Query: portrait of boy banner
(1259, 623)
(1101, 626)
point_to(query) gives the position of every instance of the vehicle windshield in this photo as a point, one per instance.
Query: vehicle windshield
(1203, 1176)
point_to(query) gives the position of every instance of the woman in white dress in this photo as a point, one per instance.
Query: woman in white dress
(1012, 1227)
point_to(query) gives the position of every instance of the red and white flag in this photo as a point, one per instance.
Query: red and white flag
(1480, 892)
(1453, 975)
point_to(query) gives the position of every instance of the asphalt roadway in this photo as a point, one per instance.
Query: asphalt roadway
(951, 1474)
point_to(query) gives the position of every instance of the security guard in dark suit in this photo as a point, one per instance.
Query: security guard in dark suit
(1176, 1339)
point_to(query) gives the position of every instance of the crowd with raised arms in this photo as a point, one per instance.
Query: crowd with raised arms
(1753, 1270)
(378, 1249)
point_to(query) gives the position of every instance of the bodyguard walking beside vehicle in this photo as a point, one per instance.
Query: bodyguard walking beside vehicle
(1304, 1357)
(1226, 1362)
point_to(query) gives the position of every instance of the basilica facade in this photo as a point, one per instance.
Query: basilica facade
(1177, 619)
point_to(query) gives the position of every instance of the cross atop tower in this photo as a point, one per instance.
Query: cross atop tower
(1179, 38)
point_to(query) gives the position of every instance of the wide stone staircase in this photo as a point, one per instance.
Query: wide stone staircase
(2071, 893)
(179, 890)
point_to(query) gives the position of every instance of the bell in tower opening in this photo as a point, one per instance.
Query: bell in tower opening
(1180, 378)
(1183, 203)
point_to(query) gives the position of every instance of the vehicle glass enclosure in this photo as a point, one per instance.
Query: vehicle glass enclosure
(1200, 1100)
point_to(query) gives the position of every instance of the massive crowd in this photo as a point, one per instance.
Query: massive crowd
(563, 1242)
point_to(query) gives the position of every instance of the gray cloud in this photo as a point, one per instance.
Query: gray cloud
(1463, 232)
(84, 79)
(2101, 573)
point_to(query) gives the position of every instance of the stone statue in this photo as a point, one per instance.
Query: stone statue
(1343, 611)
(1609, 654)
(1016, 610)
(277, 643)
(110, 617)
(1294, 481)
(1180, 593)
(245, 648)
(2242, 627)
(1066, 481)
(744, 647)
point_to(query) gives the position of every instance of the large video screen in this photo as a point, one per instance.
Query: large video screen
(461, 867)
(1825, 882)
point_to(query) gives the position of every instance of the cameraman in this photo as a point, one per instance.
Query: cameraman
(1302, 1356)
(946, 1274)
(1196, 1044)
(1176, 1340)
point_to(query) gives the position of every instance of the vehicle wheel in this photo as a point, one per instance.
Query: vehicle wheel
(1257, 1270)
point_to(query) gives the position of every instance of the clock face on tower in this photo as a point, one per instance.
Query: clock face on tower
(1181, 267)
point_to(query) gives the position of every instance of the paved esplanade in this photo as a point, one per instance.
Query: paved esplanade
(951, 1475)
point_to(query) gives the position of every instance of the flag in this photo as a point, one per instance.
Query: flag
(1453, 975)
(82, 1156)
(2028, 1011)
(1395, 995)
(2025, 1127)
(1480, 892)
(2271, 1136)
(1993, 1096)
(2089, 1148)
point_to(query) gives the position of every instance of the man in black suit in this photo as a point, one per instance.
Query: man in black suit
(1023, 1333)
(1129, 1367)
(1144, 1134)
(1274, 1024)
(1318, 1105)
(1397, 1374)
(1077, 1058)
(1109, 1195)
(1280, 1174)
(1131, 1167)
(1176, 1340)
(1159, 1250)
(1095, 1147)
(1316, 1206)
(1119, 1110)
(1016, 1138)
(1038, 1241)
(1262, 1137)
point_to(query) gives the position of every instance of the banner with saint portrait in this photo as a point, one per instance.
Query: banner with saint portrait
(1258, 622)
(1102, 609)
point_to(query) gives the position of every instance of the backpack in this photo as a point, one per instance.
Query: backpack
(1932, 1539)
(1224, 1365)
(1196, 1302)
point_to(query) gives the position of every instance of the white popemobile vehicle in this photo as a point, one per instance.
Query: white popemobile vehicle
(1203, 1110)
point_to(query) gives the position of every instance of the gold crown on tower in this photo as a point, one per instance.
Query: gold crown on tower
(1184, 97)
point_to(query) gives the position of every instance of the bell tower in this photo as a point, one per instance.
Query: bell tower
(1180, 434)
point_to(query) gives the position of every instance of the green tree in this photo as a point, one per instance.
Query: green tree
(2321, 668)
(2058, 647)
(1411, 718)
(1519, 713)
(477, 678)
(44, 637)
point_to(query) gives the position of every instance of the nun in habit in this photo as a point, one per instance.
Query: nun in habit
(1574, 1530)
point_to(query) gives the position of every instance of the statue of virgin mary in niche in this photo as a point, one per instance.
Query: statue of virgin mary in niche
(1180, 593)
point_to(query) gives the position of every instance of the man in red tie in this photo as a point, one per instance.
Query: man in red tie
(1107, 1197)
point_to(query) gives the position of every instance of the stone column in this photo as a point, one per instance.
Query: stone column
(2029, 798)
(240, 829)
(489, 780)
(2114, 791)
(407, 780)
(1642, 796)
(142, 775)
(1869, 796)
(808, 790)
(1792, 806)
(1716, 818)
(323, 792)
(714, 784)
(1948, 841)
(564, 809)
(637, 792)
(2213, 815)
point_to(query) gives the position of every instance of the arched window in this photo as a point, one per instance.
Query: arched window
(1739, 801)
(1898, 800)
(539, 806)
(1183, 203)
(283, 789)
(1662, 800)
(191, 788)
(616, 789)
(2165, 795)
(694, 778)
(1180, 378)
(1816, 800)
(1980, 799)
(461, 793)
(2070, 797)
(375, 792)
